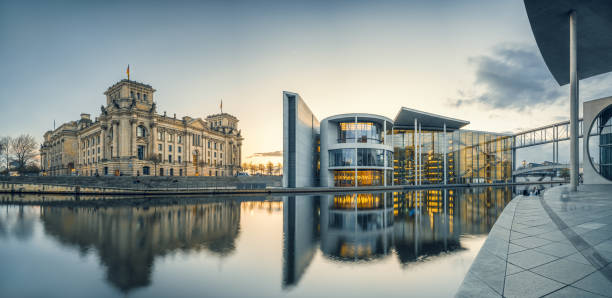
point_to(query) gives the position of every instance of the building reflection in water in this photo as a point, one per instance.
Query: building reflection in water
(128, 239)
(364, 227)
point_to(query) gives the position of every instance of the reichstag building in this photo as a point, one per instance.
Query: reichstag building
(130, 138)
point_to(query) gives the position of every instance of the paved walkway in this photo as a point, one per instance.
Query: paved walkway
(559, 245)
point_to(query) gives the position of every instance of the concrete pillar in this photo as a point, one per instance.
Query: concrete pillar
(573, 104)
(384, 135)
(414, 144)
(445, 145)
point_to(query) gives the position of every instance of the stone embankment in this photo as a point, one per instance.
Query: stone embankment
(147, 182)
(557, 245)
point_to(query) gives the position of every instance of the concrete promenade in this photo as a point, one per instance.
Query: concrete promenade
(557, 245)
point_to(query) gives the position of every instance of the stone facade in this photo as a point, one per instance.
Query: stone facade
(131, 138)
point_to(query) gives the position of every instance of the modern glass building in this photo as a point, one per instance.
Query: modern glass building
(598, 149)
(414, 148)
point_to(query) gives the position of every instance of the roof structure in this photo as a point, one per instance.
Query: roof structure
(405, 118)
(550, 25)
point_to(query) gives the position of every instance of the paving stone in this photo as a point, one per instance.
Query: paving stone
(553, 236)
(474, 287)
(490, 269)
(517, 235)
(557, 249)
(591, 225)
(512, 248)
(512, 269)
(531, 242)
(597, 236)
(596, 283)
(606, 245)
(529, 258)
(571, 292)
(564, 271)
(578, 258)
(528, 284)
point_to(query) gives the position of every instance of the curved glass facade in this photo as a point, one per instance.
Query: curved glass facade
(365, 157)
(364, 177)
(600, 143)
(360, 132)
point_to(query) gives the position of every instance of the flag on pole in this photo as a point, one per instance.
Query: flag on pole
(128, 72)
(221, 106)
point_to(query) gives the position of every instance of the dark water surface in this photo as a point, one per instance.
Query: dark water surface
(372, 245)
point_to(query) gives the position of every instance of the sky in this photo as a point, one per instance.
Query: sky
(475, 60)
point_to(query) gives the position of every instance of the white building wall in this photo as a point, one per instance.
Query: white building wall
(300, 133)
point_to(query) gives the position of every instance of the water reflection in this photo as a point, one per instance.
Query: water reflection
(340, 229)
(365, 227)
(129, 239)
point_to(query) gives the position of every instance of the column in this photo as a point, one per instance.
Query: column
(115, 138)
(133, 137)
(384, 134)
(414, 144)
(445, 142)
(573, 104)
(103, 141)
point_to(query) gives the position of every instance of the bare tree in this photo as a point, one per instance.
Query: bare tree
(5, 145)
(261, 168)
(270, 168)
(155, 159)
(279, 168)
(23, 148)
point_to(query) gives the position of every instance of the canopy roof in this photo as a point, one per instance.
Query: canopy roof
(405, 118)
(550, 25)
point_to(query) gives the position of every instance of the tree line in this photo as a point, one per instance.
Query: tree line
(18, 154)
(268, 168)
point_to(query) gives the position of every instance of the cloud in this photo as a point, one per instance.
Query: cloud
(512, 77)
(267, 154)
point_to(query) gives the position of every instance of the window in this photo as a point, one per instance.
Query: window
(169, 148)
(220, 146)
(215, 154)
(141, 150)
(171, 172)
(161, 171)
(170, 137)
(215, 145)
(141, 131)
(132, 94)
(179, 149)
(160, 136)
(180, 172)
(146, 171)
(159, 147)
(145, 98)
(138, 95)
(220, 155)
(98, 150)
(169, 157)
(179, 139)
(179, 159)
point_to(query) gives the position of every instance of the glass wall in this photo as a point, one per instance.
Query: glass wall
(365, 157)
(472, 157)
(360, 132)
(600, 143)
(344, 178)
